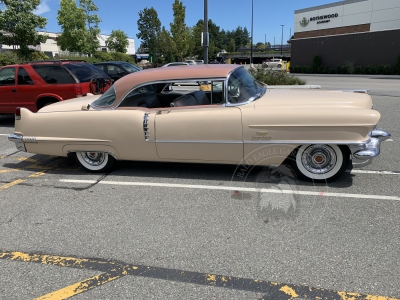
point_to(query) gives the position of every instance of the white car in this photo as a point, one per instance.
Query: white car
(274, 63)
(178, 63)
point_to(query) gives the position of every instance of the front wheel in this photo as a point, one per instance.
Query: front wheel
(95, 162)
(320, 163)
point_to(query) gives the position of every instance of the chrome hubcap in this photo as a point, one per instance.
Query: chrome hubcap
(93, 158)
(319, 159)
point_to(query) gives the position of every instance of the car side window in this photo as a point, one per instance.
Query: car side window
(7, 76)
(114, 70)
(24, 78)
(53, 74)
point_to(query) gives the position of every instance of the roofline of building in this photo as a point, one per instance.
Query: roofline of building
(327, 6)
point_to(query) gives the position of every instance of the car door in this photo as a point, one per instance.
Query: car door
(26, 90)
(199, 133)
(8, 90)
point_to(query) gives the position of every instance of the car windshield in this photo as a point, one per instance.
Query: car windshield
(85, 72)
(242, 87)
(130, 68)
(106, 99)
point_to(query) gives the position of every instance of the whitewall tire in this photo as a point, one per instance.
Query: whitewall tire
(321, 163)
(95, 162)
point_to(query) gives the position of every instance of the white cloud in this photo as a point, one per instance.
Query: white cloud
(42, 8)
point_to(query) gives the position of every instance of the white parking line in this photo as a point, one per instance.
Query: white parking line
(374, 172)
(233, 189)
(4, 134)
(389, 140)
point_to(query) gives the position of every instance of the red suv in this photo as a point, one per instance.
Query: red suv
(39, 83)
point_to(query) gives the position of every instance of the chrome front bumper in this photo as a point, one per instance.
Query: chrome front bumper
(18, 140)
(363, 153)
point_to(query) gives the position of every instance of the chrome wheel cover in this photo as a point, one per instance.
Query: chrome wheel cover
(93, 158)
(319, 159)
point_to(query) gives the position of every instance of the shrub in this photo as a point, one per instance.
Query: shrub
(397, 66)
(358, 70)
(273, 77)
(38, 56)
(8, 58)
(316, 64)
(122, 57)
(103, 56)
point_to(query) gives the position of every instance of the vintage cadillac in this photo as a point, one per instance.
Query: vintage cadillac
(207, 114)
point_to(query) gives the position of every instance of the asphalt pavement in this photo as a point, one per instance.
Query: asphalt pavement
(190, 231)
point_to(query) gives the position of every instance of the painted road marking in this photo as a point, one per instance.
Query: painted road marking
(80, 287)
(374, 172)
(114, 270)
(18, 181)
(232, 188)
(4, 134)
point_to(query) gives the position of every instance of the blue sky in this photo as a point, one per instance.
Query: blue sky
(268, 15)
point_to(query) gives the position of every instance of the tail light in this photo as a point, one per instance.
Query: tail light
(18, 113)
(78, 91)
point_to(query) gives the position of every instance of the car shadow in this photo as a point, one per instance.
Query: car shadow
(7, 120)
(219, 173)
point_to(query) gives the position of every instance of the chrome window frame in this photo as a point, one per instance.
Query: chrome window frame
(251, 99)
(166, 82)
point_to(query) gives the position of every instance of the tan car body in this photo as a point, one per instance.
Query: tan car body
(277, 122)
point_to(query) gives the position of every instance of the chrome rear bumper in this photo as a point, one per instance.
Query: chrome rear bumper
(18, 140)
(363, 153)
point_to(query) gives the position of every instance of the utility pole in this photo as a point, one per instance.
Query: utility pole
(205, 39)
(251, 45)
(282, 40)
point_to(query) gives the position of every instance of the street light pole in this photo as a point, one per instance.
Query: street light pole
(251, 45)
(205, 34)
(282, 40)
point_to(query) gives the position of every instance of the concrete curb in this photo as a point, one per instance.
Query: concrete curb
(293, 86)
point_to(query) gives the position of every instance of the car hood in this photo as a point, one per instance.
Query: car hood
(293, 98)
(73, 104)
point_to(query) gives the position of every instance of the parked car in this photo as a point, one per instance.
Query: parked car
(190, 62)
(36, 84)
(274, 63)
(199, 62)
(117, 69)
(150, 116)
(174, 64)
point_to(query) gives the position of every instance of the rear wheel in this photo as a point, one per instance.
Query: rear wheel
(320, 163)
(95, 162)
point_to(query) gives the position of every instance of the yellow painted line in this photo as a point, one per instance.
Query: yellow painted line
(113, 270)
(18, 181)
(7, 171)
(80, 287)
(8, 185)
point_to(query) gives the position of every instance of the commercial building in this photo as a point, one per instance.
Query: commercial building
(361, 32)
(51, 49)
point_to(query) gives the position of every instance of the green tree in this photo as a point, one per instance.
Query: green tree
(149, 28)
(167, 46)
(19, 24)
(79, 26)
(179, 31)
(117, 41)
(92, 22)
(231, 47)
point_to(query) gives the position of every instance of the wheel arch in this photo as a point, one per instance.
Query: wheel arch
(68, 150)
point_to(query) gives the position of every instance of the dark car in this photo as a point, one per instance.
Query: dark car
(117, 69)
(35, 84)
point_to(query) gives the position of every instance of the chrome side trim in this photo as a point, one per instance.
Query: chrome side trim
(200, 141)
(357, 91)
(110, 153)
(145, 126)
(18, 140)
(305, 142)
